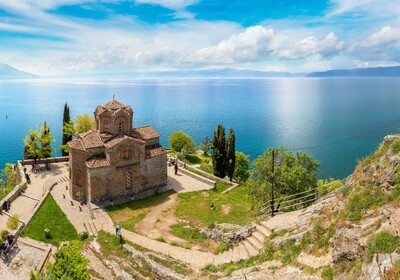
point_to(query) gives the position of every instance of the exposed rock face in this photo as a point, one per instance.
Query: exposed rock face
(219, 233)
(380, 265)
(346, 246)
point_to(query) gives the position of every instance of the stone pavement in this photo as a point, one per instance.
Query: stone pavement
(184, 183)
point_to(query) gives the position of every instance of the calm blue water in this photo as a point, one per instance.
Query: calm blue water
(292, 112)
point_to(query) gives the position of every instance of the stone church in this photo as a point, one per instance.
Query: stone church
(114, 159)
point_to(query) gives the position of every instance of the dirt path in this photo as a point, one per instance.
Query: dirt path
(158, 222)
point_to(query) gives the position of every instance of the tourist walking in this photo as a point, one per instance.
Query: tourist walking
(176, 168)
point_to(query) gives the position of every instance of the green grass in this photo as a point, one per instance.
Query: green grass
(128, 214)
(232, 207)
(193, 159)
(52, 217)
(383, 242)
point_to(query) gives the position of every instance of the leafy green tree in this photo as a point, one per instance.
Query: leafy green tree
(7, 180)
(219, 152)
(230, 154)
(68, 130)
(181, 142)
(241, 167)
(69, 265)
(37, 144)
(66, 136)
(45, 140)
(294, 174)
(205, 146)
(83, 123)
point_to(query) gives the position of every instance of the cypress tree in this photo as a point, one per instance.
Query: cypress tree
(219, 152)
(65, 137)
(230, 154)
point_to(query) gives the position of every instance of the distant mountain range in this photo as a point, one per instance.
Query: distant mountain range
(8, 72)
(393, 71)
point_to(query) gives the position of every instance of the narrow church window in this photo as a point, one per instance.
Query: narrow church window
(120, 127)
(128, 180)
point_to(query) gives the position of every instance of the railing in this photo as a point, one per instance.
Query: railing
(293, 202)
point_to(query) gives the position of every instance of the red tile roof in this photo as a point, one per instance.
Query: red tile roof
(145, 132)
(76, 144)
(91, 139)
(113, 106)
(153, 151)
(97, 162)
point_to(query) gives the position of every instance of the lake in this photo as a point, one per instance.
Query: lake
(337, 120)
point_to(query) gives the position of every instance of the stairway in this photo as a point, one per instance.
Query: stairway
(91, 228)
(247, 248)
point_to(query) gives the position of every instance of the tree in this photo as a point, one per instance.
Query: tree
(181, 142)
(219, 152)
(230, 154)
(69, 265)
(37, 144)
(45, 140)
(83, 123)
(205, 146)
(66, 136)
(241, 173)
(296, 173)
(69, 131)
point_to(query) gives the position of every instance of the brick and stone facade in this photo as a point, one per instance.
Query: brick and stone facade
(114, 159)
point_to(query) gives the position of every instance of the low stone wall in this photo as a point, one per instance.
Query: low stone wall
(49, 160)
(236, 234)
(197, 177)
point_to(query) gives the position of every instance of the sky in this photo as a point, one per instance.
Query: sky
(72, 37)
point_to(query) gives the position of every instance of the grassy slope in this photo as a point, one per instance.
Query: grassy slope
(130, 213)
(50, 216)
(232, 207)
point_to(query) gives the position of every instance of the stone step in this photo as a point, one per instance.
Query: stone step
(259, 235)
(235, 254)
(251, 250)
(263, 229)
(255, 242)
(242, 252)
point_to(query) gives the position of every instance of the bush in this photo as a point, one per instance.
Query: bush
(396, 146)
(222, 247)
(4, 234)
(206, 168)
(383, 242)
(327, 186)
(363, 200)
(13, 221)
(84, 235)
(327, 273)
(211, 225)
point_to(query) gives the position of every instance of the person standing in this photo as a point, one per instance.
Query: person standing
(176, 168)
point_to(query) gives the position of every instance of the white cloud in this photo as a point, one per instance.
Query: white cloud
(386, 36)
(328, 46)
(252, 44)
(157, 57)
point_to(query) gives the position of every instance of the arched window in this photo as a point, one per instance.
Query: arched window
(120, 127)
(128, 180)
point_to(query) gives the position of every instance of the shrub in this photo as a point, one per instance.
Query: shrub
(13, 221)
(206, 168)
(288, 251)
(4, 234)
(383, 242)
(327, 273)
(211, 225)
(363, 200)
(84, 235)
(222, 247)
(396, 146)
(268, 250)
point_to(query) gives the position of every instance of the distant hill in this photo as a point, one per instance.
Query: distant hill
(8, 72)
(393, 71)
